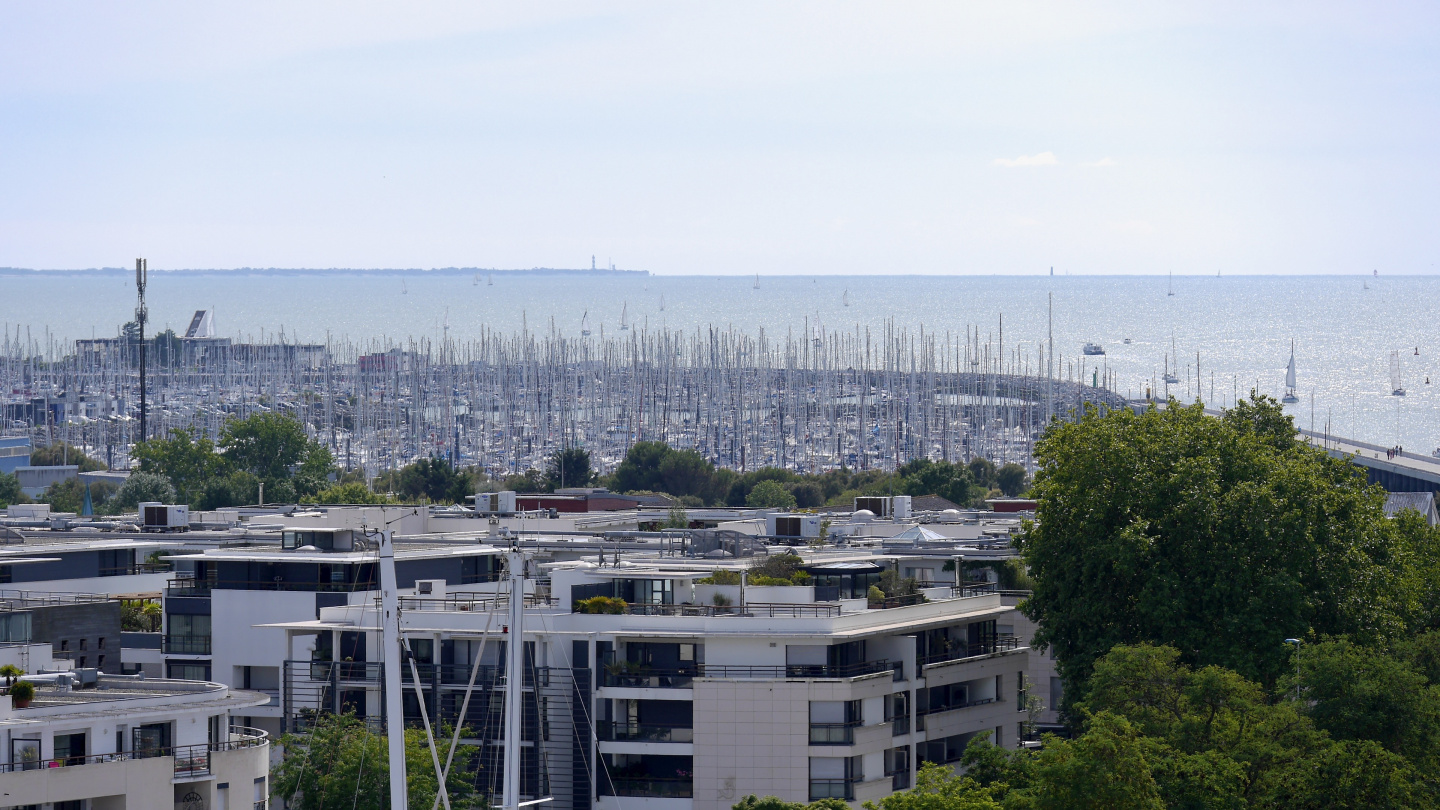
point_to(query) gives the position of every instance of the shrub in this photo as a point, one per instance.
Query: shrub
(22, 692)
(722, 577)
(602, 604)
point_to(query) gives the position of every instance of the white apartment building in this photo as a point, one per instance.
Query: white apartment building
(689, 701)
(123, 743)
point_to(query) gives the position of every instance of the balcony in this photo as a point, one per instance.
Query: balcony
(191, 761)
(649, 787)
(832, 789)
(622, 731)
(963, 651)
(187, 645)
(797, 670)
(833, 733)
(771, 610)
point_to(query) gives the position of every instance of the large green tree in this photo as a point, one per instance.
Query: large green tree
(1221, 537)
(62, 453)
(274, 448)
(186, 458)
(339, 764)
(10, 491)
(569, 467)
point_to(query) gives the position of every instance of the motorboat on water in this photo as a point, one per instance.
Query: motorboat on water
(1093, 349)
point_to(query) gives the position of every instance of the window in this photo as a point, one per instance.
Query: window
(64, 645)
(82, 643)
(82, 663)
(99, 662)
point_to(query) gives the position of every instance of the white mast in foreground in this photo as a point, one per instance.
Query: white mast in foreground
(390, 643)
(514, 679)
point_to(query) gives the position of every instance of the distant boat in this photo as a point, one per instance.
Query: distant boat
(757, 281)
(403, 289)
(1172, 283)
(1127, 341)
(624, 327)
(662, 303)
(585, 327)
(845, 298)
(1093, 349)
(1171, 379)
(1396, 389)
(489, 281)
(1364, 285)
(1290, 397)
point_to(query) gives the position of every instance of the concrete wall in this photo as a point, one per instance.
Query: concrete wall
(751, 737)
(87, 621)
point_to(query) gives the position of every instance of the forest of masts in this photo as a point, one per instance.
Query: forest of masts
(505, 402)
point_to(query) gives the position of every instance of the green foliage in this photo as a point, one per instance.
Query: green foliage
(772, 803)
(602, 604)
(61, 453)
(341, 765)
(1010, 479)
(939, 788)
(186, 458)
(10, 672)
(720, 577)
(431, 479)
(10, 491)
(770, 495)
(353, 492)
(677, 519)
(568, 468)
(777, 566)
(140, 617)
(1154, 732)
(1221, 537)
(1363, 693)
(22, 691)
(65, 496)
(982, 472)
(139, 488)
(640, 470)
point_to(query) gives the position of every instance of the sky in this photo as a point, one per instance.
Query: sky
(723, 138)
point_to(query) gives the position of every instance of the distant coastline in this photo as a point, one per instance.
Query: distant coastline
(330, 271)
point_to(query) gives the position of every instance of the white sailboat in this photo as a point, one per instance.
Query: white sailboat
(757, 281)
(662, 303)
(1290, 397)
(845, 298)
(624, 327)
(584, 326)
(1171, 293)
(489, 281)
(1170, 378)
(476, 283)
(1396, 388)
(403, 289)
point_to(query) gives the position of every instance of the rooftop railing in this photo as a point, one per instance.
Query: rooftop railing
(190, 760)
(814, 610)
(623, 731)
(648, 787)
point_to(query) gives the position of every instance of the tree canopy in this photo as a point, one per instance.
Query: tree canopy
(1221, 537)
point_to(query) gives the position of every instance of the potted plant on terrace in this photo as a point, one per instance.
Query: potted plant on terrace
(21, 694)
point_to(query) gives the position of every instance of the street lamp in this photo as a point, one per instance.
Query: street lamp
(1297, 642)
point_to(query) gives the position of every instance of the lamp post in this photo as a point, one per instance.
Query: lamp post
(1296, 642)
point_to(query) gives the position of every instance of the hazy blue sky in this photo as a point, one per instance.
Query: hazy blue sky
(724, 137)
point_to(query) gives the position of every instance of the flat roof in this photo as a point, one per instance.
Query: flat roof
(275, 554)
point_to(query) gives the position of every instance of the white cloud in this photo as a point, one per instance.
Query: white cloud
(1042, 159)
(1101, 163)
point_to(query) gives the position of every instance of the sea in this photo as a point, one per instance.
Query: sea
(1347, 332)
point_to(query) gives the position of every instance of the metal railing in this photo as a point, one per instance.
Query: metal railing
(933, 710)
(833, 733)
(998, 644)
(475, 603)
(832, 789)
(135, 568)
(190, 760)
(623, 731)
(973, 589)
(797, 670)
(187, 645)
(649, 787)
(811, 610)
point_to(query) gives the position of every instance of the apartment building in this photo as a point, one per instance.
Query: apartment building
(106, 742)
(697, 695)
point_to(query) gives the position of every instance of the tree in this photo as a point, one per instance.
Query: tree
(431, 478)
(640, 470)
(141, 487)
(1358, 692)
(268, 445)
(353, 492)
(339, 764)
(1107, 768)
(569, 467)
(938, 788)
(1010, 479)
(677, 518)
(685, 472)
(982, 471)
(770, 495)
(186, 458)
(1215, 536)
(61, 453)
(10, 491)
